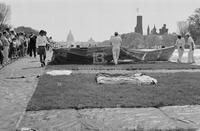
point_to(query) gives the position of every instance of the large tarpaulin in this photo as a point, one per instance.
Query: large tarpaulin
(102, 55)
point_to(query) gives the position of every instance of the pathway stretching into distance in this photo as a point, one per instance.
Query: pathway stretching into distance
(19, 80)
(15, 91)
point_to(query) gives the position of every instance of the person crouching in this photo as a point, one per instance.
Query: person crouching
(116, 42)
(41, 43)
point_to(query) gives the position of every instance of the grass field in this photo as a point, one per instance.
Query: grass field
(81, 91)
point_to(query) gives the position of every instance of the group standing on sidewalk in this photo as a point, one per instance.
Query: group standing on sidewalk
(14, 45)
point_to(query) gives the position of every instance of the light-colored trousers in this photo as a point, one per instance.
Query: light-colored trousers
(5, 53)
(191, 56)
(180, 54)
(116, 52)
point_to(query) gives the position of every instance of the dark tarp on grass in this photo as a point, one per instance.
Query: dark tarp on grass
(102, 55)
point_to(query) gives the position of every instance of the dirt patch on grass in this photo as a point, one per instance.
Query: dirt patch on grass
(80, 91)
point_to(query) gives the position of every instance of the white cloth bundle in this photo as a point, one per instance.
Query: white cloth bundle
(59, 72)
(139, 79)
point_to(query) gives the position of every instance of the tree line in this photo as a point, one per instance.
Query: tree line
(5, 13)
(191, 25)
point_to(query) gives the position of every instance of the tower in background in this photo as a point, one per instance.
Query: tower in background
(70, 37)
(138, 28)
(148, 30)
(154, 31)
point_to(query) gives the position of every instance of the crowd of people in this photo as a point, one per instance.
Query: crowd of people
(14, 45)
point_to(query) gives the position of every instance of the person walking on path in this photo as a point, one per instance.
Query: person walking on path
(41, 43)
(180, 43)
(116, 42)
(190, 42)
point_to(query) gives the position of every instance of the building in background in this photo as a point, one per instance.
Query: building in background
(163, 30)
(154, 31)
(70, 41)
(70, 36)
(138, 28)
(148, 30)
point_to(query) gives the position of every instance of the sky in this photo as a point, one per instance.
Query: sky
(98, 19)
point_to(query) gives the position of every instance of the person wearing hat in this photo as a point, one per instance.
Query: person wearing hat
(116, 42)
(190, 42)
(180, 43)
(41, 43)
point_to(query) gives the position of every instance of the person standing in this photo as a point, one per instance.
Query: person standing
(6, 45)
(180, 43)
(32, 45)
(1, 49)
(190, 42)
(116, 42)
(26, 39)
(22, 43)
(41, 43)
(51, 42)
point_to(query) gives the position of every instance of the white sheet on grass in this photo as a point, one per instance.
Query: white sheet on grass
(139, 78)
(59, 72)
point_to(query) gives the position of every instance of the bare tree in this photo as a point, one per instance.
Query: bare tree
(183, 27)
(5, 13)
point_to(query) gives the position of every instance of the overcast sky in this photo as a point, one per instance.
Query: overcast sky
(98, 18)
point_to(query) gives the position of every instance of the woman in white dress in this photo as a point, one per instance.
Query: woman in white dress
(180, 43)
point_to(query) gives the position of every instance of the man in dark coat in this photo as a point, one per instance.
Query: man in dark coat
(32, 45)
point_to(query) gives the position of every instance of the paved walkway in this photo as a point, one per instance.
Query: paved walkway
(17, 84)
(114, 119)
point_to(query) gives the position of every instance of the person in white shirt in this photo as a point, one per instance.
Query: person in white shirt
(116, 42)
(180, 43)
(190, 42)
(41, 43)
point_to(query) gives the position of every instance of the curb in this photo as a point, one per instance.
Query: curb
(9, 62)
